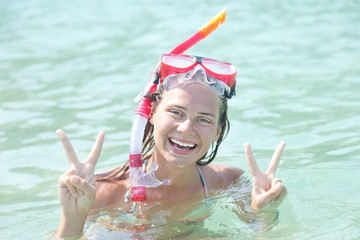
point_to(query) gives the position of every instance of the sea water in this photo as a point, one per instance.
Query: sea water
(77, 65)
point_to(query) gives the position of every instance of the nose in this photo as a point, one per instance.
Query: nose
(186, 127)
(199, 73)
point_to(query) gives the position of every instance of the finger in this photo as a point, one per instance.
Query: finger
(83, 187)
(96, 150)
(282, 194)
(64, 182)
(263, 200)
(253, 166)
(275, 160)
(69, 150)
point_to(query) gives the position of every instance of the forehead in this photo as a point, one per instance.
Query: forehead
(194, 96)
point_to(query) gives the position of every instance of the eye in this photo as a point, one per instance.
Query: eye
(204, 120)
(176, 113)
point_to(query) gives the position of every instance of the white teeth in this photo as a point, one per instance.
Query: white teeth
(182, 144)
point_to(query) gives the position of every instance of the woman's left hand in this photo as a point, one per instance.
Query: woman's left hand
(266, 188)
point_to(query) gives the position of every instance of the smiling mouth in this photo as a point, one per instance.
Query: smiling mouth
(181, 146)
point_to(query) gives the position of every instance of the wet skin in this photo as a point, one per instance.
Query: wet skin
(185, 125)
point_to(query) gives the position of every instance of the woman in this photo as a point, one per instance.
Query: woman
(188, 119)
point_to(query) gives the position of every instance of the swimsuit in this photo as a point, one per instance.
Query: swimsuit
(203, 182)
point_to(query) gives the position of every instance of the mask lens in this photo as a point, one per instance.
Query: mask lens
(218, 67)
(173, 64)
(178, 61)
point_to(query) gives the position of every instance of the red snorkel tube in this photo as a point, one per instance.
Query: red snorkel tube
(202, 33)
(143, 110)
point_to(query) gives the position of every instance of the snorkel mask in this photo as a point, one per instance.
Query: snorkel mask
(172, 70)
(178, 69)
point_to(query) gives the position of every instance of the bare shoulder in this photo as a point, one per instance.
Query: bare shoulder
(227, 171)
(220, 175)
(110, 193)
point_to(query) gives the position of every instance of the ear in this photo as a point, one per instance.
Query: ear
(151, 119)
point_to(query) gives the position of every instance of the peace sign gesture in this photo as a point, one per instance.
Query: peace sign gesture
(77, 185)
(266, 188)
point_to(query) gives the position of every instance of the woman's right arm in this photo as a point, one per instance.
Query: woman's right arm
(77, 188)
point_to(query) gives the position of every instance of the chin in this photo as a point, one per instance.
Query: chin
(180, 161)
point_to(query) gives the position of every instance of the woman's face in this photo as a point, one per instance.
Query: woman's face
(186, 122)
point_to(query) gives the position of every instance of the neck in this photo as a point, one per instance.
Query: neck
(181, 178)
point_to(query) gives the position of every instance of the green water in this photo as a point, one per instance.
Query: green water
(77, 65)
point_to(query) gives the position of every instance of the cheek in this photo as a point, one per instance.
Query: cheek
(158, 137)
(209, 135)
(218, 131)
(216, 134)
(161, 126)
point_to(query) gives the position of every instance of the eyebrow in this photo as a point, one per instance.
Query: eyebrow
(201, 113)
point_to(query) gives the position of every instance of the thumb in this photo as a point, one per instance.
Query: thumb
(275, 190)
(81, 184)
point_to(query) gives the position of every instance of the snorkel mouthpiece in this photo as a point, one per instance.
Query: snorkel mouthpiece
(139, 180)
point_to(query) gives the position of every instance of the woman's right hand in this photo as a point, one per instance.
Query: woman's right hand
(77, 185)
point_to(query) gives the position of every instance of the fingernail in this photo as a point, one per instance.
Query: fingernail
(76, 180)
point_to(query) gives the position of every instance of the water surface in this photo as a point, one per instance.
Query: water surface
(78, 65)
